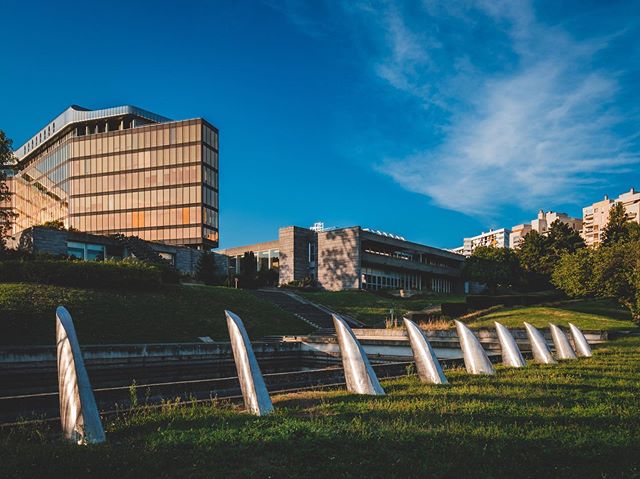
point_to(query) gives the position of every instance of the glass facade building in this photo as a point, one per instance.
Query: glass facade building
(121, 170)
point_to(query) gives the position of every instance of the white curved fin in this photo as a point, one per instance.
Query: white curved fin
(475, 357)
(254, 391)
(511, 355)
(539, 346)
(427, 364)
(359, 375)
(561, 343)
(582, 345)
(78, 410)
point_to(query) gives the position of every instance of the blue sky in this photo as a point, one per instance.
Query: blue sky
(432, 120)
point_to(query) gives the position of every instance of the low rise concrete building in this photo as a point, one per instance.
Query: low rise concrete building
(91, 247)
(354, 258)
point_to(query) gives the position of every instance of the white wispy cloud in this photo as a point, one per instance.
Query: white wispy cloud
(527, 121)
(530, 137)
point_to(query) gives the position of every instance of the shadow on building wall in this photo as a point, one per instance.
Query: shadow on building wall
(339, 259)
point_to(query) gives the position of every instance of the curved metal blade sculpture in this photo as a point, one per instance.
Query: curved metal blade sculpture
(78, 410)
(582, 345)
(254, 391)
(561, 343)
(511, 355)
(427, 364)
(539, 346)
(475, 357)
(359, 375)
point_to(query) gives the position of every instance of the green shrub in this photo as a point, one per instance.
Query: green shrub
(475, 302)
(125, 274)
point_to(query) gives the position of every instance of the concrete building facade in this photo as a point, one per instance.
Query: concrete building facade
(91, 247)
(121, 170)
(596, 216)
(354, 258)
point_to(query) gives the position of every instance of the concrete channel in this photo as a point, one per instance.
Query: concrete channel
(201, 371)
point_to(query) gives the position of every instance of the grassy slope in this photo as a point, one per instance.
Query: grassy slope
(574, 419)
(176, 313)
(588, 314)
(373, 309)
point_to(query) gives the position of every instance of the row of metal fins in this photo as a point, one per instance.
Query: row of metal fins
(81, 420)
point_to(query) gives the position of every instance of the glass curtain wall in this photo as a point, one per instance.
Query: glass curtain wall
(158, 182)
(147, 182)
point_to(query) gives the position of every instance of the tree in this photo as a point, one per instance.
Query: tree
(574, 273)
(533, 252)
(619, 227)
(54, 225)
(493, 266)
(611, 271)
(563, 239)
(540, 254)
(248, 270)
(6, 214)
(207, 270)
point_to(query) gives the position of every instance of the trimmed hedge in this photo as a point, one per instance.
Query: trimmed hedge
(127, 274)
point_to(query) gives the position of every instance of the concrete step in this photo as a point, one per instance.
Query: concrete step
(305, 311)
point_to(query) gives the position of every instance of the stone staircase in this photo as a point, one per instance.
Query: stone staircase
(316, 315)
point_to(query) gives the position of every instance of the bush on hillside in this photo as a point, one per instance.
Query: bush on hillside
(306, 284)
(475, 302)
(125, 274)
(454, 310)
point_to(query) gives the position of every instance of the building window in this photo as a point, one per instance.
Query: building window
(170, 257)
(85, 251)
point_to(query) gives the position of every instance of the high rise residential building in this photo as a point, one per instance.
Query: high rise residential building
(518, 232)
(596, 216)
(541, 224)
(512, 238)
(121, 170)
(498, 238)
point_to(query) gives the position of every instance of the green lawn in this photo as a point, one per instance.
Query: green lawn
(587, 314)
(175, 313)
(373, 309)
(575, 419)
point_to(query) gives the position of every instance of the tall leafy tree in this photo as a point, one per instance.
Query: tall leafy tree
(611, 271)
(533, 251)
(540, 254)
(562, 239)
(6, 215)
(618, 227)
(248, 270)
